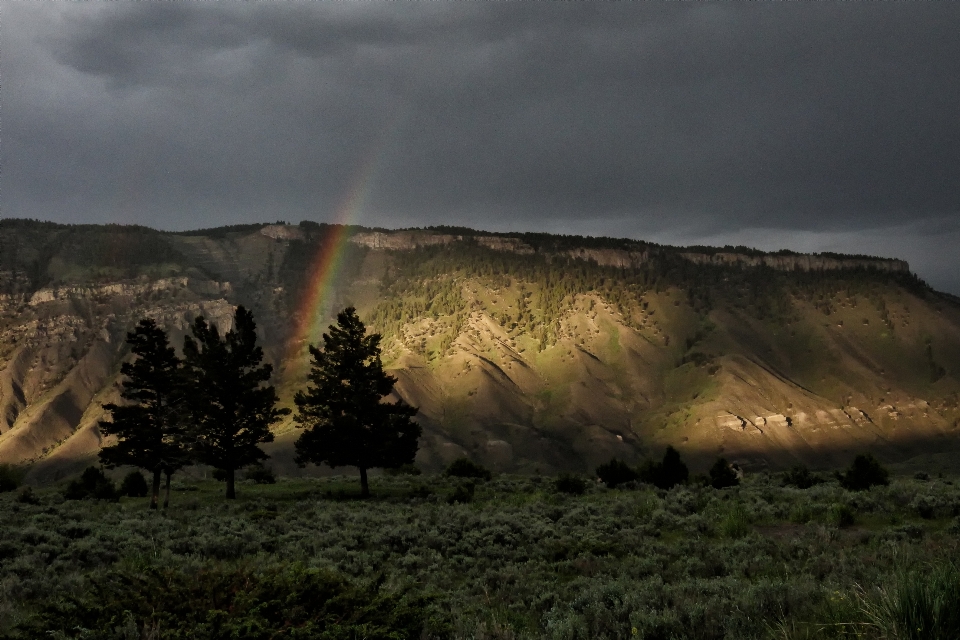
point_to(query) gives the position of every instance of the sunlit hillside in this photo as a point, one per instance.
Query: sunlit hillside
(524, 352)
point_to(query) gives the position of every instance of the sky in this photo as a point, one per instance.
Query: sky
(806, 126)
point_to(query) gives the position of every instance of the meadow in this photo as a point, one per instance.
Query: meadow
(513, 557)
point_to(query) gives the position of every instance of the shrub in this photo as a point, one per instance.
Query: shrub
(106, 491)
(260, 474)
(736, 524)
(925, 507)
(615, 473)
(699, 480)
(27, 496)
(672, 470)
(462, 494)
(800, 477)
(802, 513)
(8, 478)
(841, 515)
(465, 468)
(223, 602)
(420, 491)
(93, 483)
(954, 527)
(567, 483)
(722, 475)
(409, 469)
(75, 491)
(864, 472)
(666, 474)
(134, 485)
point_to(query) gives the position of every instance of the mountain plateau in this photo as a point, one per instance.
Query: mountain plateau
(526, 352)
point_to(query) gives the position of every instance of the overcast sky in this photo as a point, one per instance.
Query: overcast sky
(806, 126)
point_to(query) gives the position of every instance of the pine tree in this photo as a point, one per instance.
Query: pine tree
(148, 429)
(231, 407)
(346, 422)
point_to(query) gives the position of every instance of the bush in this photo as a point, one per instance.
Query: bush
(672, 470)
(75, 491)
(666, 474)
(27, 496)
(864, 472)
(408, 469)
(615, 473)
(736, 524)
(699, 480)
(465, 468)
(93, 483)
(925, 506)
(106, 491)
(9, 480)
(800, 477)
(954, 527)
(567, 483)
(841, 515)
(420, 491)
(462, 494)
(223, 602)
(801, 513)
(722, 475)
(260, 474)
(134, 485)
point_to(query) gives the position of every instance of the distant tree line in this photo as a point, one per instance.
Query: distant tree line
(864, 472)
(215, 406)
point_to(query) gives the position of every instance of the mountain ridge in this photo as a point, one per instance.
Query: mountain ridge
(524, 351)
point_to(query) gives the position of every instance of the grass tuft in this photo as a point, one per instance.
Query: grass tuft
(922, 605)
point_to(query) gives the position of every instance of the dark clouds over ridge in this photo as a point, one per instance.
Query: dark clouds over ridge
(808, 126)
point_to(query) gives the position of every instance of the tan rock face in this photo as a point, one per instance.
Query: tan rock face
(730, 421)
(605, 378)
(498, 243)
(401, 241)
(282, 232)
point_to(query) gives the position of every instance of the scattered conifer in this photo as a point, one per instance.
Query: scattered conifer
(231, 406)
(346, 421)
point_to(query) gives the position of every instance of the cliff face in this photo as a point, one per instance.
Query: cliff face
(526, 352)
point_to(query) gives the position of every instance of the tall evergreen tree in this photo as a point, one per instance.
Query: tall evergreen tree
(346, 422)
(148, 429)
(231, 407)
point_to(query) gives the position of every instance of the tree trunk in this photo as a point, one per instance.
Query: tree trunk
(231, 488)
(364, 487)
(155, 495)
(166, 497)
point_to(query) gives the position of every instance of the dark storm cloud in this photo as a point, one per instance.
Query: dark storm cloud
(812, 126)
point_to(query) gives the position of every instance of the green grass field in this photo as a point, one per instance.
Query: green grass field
(308, 559)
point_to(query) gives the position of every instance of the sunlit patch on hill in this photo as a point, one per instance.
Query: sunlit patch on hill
(523, 351)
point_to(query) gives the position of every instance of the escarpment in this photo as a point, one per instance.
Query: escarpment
(527, 352)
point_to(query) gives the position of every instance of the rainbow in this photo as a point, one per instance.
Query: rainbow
(314, 309)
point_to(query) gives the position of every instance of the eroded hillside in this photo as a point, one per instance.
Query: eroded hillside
(526, 352)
